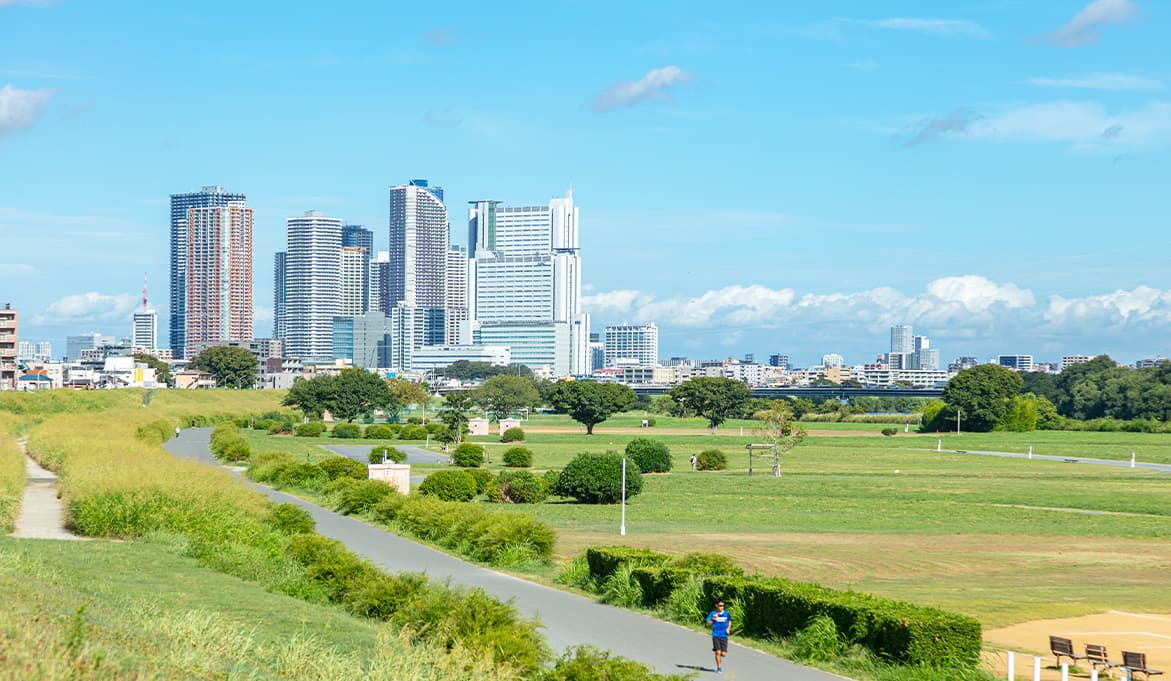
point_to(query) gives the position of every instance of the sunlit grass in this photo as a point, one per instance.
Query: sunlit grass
(12, 473)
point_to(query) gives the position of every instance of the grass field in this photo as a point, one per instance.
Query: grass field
(102, 610)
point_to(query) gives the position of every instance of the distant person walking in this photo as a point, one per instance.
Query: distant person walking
(692, 462)
(176, 431)
(720, 622)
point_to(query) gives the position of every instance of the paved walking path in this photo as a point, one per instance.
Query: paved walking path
(40, 515)
(1161, 467)
(569, 619)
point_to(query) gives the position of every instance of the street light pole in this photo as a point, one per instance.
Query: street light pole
(622, 529)
(957, 420)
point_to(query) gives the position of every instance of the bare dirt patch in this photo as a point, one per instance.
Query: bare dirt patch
(1148, 633)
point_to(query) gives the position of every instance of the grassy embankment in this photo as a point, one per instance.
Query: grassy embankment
(12, 474)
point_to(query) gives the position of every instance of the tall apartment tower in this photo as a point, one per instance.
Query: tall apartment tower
(355, 291)
(357, 236)
(313, 282)
(456, 316)
(218, 275)
(145, 330)
(637, 342)
(9, 346)
(380, 282)
(525, 283)
(418, 245)
(902, 339)
(279, 294)
(208, 197)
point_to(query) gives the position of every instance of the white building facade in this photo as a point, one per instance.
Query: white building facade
(638, 342)
(313, 283)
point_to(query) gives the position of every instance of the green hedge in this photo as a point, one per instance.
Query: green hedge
(605, 560)
(901, 632)
(658, 582)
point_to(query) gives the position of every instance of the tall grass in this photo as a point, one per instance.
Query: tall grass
(12, 474)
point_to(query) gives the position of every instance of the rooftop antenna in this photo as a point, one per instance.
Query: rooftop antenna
(144, 290)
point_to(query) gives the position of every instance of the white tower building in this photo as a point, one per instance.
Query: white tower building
(313, 282)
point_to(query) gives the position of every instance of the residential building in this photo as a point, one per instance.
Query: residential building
(280, 294)
(597, 354)
(1150, 362)
(639, 342)
(962, 363)
(832, 361)
(357, 236)
(1016, 362)
(916, 378)
(365, 340)
(9, 338)
(925, 356)
(417, 268)
(380, 282)
(412, 328)
(355, 282)
(75, 345)
(34, 351)
(456, 315)
(145, 331)
(526, 273)
(781, 361)
(208, 197)
(439, 357)
(1069, 360)
(218, 274)
(313, 286)
(902, 339)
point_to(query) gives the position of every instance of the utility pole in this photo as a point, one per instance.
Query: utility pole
(957, 420)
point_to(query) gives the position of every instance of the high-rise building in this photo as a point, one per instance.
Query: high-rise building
(355, 291)
(218, 274)
(313, 281)
(526, 274)
(145, 330)
(1069, 360)
(637, 342)
(925, 357)
(778, 360)
(208, 197)
(418, 245)
(75, 345)
(902, 339)
(9, 340)
(279, 294)
(357, 236)
(1016, 362)
(456, 315)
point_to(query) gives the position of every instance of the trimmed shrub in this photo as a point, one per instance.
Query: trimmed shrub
(707, 564)
(819, 640)
(449, 486)
(901, 632)
(291, 519)
(311, 429)
(887, 432)
(435, 429)
(518, 457)
(340, 466)
(493, 537)
(468, 455)
(307, 476)
(484, 479)
(597, 479)
(280, 428)
(227, 445)
(379, 432)
(412, 433)
(512, 435)
(392, 454)
(347, 431)
(395, 428)
(658, 583)
(415, 420)
(650, 422)
(605, 560)
(362, 495)
(711, 460)
(521, 487)
(550, 478)
(588, 662)
(651, 456)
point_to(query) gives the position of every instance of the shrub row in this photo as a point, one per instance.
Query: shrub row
(378, 431)
(281, 471)
(227, 444)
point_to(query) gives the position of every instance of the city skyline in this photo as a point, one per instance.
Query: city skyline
(992, 169)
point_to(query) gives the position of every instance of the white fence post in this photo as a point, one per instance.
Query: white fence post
(1030, 451)
(1064, 671)
(1132, 459)
(939, 445)
(1036, 669)
(1011, 666)
(1094, 674)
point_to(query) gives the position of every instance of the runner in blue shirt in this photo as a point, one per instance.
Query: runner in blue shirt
(720, 622)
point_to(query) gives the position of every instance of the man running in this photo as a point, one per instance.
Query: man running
(720, 622)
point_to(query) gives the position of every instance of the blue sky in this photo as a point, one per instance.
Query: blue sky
(772, 177)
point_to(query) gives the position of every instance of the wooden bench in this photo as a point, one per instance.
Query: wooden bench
(1063, 647)
(1137, 663)
(1096, 655)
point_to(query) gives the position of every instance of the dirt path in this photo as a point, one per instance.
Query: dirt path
(41, 516)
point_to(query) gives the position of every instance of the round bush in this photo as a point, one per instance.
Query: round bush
(341, 467)
(550, 478)
(651, 456)
(237, 450)
(361, 496)
(597, 479)
(518, 457)
(468, 455)
(484, 479)
(280, 427)
(650, 422)
(435, 429)
(291, 519)
(513, 435)
(711, 460)
(379, 432)
(449, 486)
(521, 487)
(311, 429)
(412, 433)
(889, 431)
(392, 454)
(347, 431)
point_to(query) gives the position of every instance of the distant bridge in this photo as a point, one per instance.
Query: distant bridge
(817, 392)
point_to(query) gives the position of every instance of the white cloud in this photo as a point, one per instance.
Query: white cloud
(88, 307)
(1100, 81)
(1086, 25)
(20, 109)
(947, 28)
(650, 87)
(966, 306)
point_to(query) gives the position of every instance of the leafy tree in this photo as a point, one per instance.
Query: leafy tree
(408, 392)
(232, 367)
(455, 416)
(356, 392)
(466, 371)
(311, 396)
(801, 406)
(715, 399)
(590, 403)
(502, 395)
(982, 394)
(162, 369)
(778, 425)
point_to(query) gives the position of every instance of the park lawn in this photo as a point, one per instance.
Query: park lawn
(98, 609)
